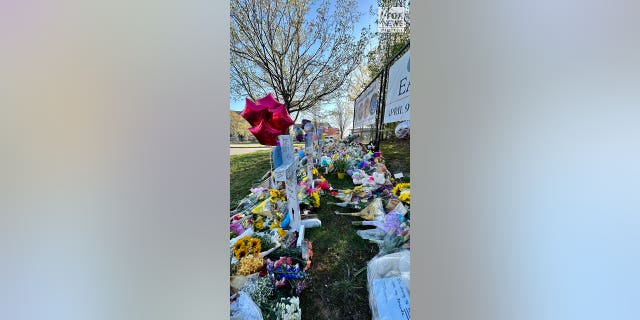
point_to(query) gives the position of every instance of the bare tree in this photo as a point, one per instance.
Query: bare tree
(342, 116)
(316, 114)
(274, 48)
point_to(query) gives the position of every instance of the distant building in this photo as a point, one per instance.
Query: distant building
(326, 128)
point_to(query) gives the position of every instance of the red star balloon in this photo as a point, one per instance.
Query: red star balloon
(265, 133)
(268, 117)
(253, 112)
(280, 118)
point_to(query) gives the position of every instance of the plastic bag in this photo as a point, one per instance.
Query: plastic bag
(374, 235)
(243, 308)
(388, 282)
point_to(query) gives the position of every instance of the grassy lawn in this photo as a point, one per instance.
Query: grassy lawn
(246, 171)
(339, 275)
(396, 155)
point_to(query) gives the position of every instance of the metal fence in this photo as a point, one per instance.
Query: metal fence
(377, 132)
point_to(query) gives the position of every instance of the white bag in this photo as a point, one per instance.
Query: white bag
(243, 308)
(388, 279)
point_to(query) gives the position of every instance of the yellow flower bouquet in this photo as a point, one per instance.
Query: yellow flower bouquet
(403, 192)
(246, 246)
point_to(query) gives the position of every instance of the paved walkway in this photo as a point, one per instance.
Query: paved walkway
(250, 147)
(244, 150)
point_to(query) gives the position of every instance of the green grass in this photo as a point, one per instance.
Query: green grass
(246, 171)
(397, 156)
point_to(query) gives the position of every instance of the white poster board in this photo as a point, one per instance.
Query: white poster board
(397, 104)
(392, 299)
(366, 106)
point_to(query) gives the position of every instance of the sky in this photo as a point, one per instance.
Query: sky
(366, 20)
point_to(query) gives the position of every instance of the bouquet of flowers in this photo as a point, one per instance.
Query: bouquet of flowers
(403, 192)
(258, 224)
(249, 265)
(285, 309)
(394, 242)
(276, 195)
(260, 289)
(373, 211)
(308, 195)
(235, 229)
(247, 246)
(287, 276)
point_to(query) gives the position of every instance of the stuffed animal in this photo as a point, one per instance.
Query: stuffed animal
(379, 178)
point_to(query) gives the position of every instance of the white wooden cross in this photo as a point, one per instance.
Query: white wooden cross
(287, 173)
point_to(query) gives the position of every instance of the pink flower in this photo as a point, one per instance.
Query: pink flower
(236, 227)
(280, 283)
(277, 264)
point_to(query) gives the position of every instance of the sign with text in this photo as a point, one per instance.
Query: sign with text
(392, 298)
(366, 106)
(392, 19)
(397, 105)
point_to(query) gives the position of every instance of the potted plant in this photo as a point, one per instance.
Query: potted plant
(341, 167)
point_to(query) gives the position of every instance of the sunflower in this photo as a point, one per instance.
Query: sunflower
(256, 249)
(314, 171)
(237, 245)
(400, 187)
(241, 253)
(405, 196)
(255, 242)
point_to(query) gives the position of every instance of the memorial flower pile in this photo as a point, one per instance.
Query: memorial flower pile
(266, 262)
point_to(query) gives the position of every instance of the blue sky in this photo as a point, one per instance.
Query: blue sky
(365, 20)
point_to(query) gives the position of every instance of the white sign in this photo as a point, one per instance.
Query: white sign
(392, 298)
(398, 175)
(397, 106)
(366, 106)
(391, 20)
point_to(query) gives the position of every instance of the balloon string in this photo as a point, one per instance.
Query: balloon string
(271, 182)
